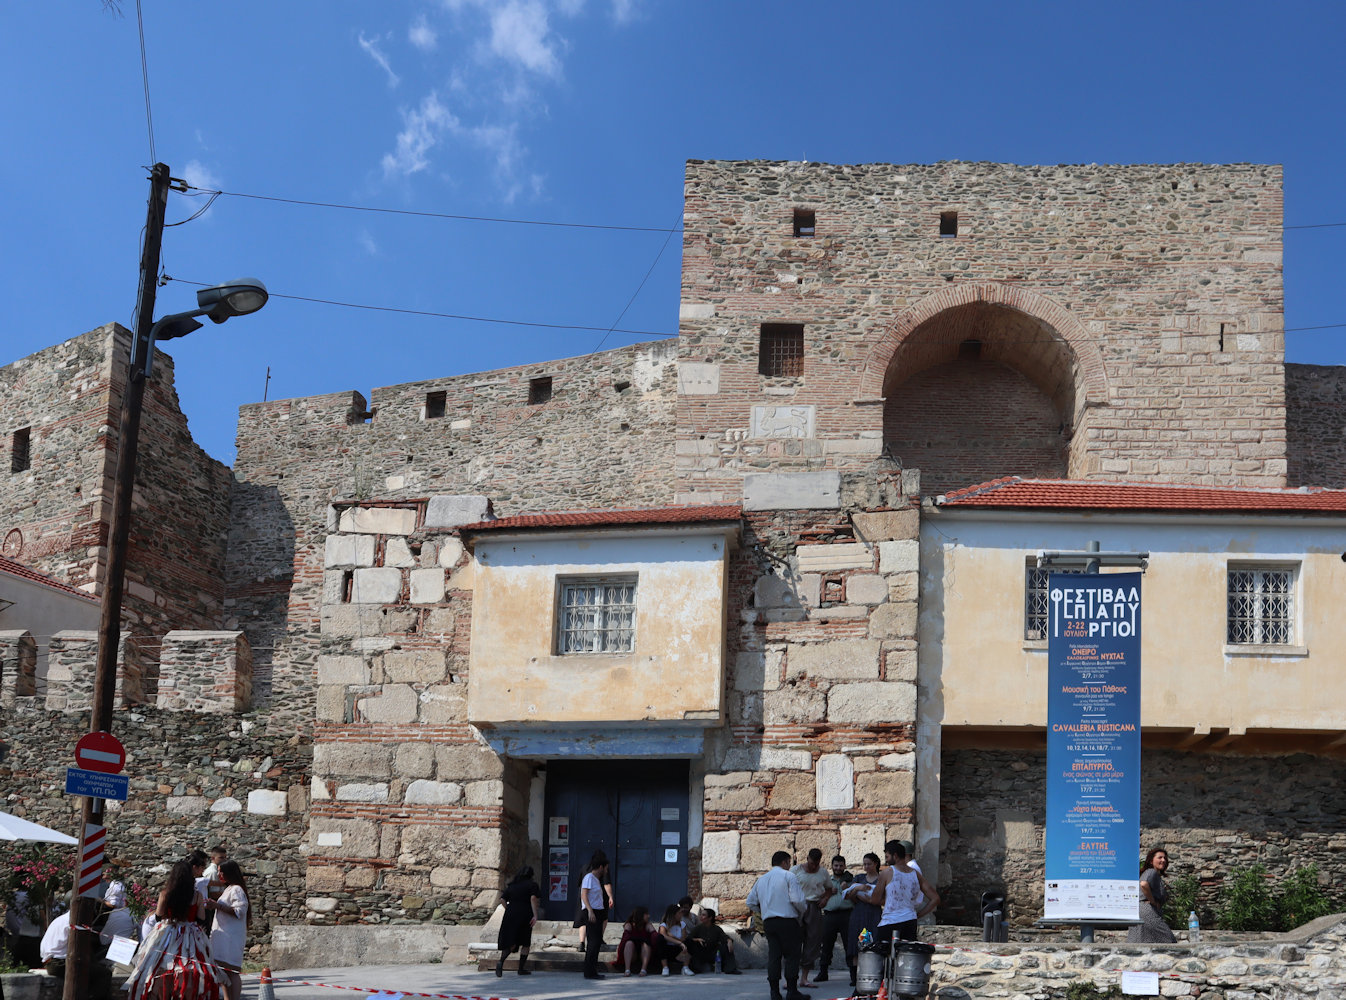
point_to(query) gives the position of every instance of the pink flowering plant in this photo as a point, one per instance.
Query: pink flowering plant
(141, 898)
(41, 871)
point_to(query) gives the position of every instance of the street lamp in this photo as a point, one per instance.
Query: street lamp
(219, 302)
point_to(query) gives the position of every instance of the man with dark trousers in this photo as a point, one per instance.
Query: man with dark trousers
(836, 915)
(778, 899)
(595, 902)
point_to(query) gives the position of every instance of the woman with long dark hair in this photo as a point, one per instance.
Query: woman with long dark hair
(174, 963)
(1153, 928)
(521, 899)
(233, 915)
(639, 940)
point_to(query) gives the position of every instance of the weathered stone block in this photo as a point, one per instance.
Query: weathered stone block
(267, 802)
(836, 781)
(455, 511)
(793, 703)
(342, 670)
(186, 805)
(719, 851)
(904, 586)
(755, 757)
(484, 793)
(396, 703)
(893, 621)
(433, 793)
(792, 491)
(444, 703)
(450, 551)
(413, 666)
(18, 666)
(228, 804)
(858, 839)
(414, 760)
(758, 671)
(856, 659)
(379, 585)
(343, 838)
(341, 551)
(466, 762)
(378, 521)
(826, 840)
(885, 789)
(352, 760)
(868, 702)
(755, 849)
(887, 525)
(358, 791)
(729, 798)
(829, 558)
(697, 378)
(427, 586)
(866, 588)
(793, 791)
(899, 556)
(397, 553)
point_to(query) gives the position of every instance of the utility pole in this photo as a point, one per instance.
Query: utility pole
(82, 908)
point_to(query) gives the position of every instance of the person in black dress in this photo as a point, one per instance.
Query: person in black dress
(521, 899)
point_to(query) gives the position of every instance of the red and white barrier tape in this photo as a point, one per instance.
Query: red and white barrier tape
(376, 991)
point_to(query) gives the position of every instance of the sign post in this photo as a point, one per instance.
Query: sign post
(1093, 750)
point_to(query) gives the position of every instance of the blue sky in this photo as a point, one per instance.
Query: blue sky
(577, 111)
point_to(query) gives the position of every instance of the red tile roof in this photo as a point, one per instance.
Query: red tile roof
(611, 518)
(23, 572)
(1060, 494)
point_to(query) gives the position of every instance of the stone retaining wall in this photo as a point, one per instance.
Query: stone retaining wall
(1308, 962)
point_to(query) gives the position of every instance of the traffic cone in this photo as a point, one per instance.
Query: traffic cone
(883, 991)
(266, 991)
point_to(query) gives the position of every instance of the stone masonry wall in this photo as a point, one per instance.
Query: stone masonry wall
(1215, 814)
(1145, 300)
(196, 781)
(818, 750)
(603, 438)
(1315, 424)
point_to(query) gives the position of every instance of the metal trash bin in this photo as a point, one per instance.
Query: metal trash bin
(868, 972)
(910, 972)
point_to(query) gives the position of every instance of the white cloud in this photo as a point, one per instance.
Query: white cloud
(423, 127)
(367, 242)
(197, 174)
(371, 47)
(421, 35)
(520, 34)
(623, 11)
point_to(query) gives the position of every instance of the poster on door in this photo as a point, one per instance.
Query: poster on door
(1093, 747)
(558, 874)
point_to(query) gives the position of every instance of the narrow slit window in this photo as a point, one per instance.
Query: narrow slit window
(20, 450)
(948, 223)
(347, 586)
(539, 390)
(782, 351)
(805, 222)
(434, 404)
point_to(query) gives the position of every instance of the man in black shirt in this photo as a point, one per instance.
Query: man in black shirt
(708, 939)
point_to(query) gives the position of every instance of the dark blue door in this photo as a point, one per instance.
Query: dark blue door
(634, 811)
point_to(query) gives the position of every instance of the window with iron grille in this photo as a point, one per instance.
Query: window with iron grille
(782, 350)
(1261, 603)
(597, 615)
(1036, 605)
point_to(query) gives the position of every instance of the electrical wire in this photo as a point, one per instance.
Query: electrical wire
(662, 247)
(195, 215)
(145, 81)
(432, 215)
(444, 315)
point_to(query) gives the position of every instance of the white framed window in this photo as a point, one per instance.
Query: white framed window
(1035, 599)
(1261, 605)
(596, 615)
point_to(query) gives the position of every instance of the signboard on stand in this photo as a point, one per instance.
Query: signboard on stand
(1093, 748)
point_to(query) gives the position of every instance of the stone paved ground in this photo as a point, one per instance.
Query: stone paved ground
(465, 981)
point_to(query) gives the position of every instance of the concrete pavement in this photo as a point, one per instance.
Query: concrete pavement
(465, 981)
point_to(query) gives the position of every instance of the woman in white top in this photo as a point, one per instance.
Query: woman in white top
(672, 947)
(233, 914)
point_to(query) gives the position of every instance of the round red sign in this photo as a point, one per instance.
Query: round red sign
(100, 752)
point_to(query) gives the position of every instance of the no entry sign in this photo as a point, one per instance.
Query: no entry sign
(100, 752)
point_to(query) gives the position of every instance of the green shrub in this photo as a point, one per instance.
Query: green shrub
(1301, 899)
(1182, 900)
(1085, 989)
(1246, 902)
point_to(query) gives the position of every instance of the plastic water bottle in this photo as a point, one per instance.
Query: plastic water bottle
(1193, 927)
(717, 960)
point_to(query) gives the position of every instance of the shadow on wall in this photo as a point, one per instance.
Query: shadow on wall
(259, 576)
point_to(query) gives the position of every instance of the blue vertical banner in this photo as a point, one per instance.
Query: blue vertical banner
(1093, 747)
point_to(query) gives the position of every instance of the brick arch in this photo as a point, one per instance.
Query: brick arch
(1062, 348)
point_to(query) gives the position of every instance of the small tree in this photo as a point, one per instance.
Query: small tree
(1301, 899)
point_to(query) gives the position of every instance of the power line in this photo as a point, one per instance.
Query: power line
(434, 215)
(444, 315)
(655, 263)
(145, 81)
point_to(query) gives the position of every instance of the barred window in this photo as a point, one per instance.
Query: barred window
(597, 615)
(1036, 605)
(1261, 606)
(782, 350)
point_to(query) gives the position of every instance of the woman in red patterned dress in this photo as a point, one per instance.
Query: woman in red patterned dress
(174, 962)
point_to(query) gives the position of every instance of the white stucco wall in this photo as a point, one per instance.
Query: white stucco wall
(43, 611)
(676, 672)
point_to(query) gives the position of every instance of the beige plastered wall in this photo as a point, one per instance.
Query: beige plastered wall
(676, 672)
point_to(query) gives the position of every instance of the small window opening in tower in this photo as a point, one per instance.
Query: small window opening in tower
(539, 390)
(805, 222)
(434, 405)
(969, 350)
(20, 450)
(782, 351)
(948, 223)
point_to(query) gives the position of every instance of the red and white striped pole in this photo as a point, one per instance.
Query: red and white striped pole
(91, 860)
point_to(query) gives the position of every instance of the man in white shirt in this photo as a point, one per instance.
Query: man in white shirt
(595, 903)
(779, 900)
(119, 922)
(817, 886)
